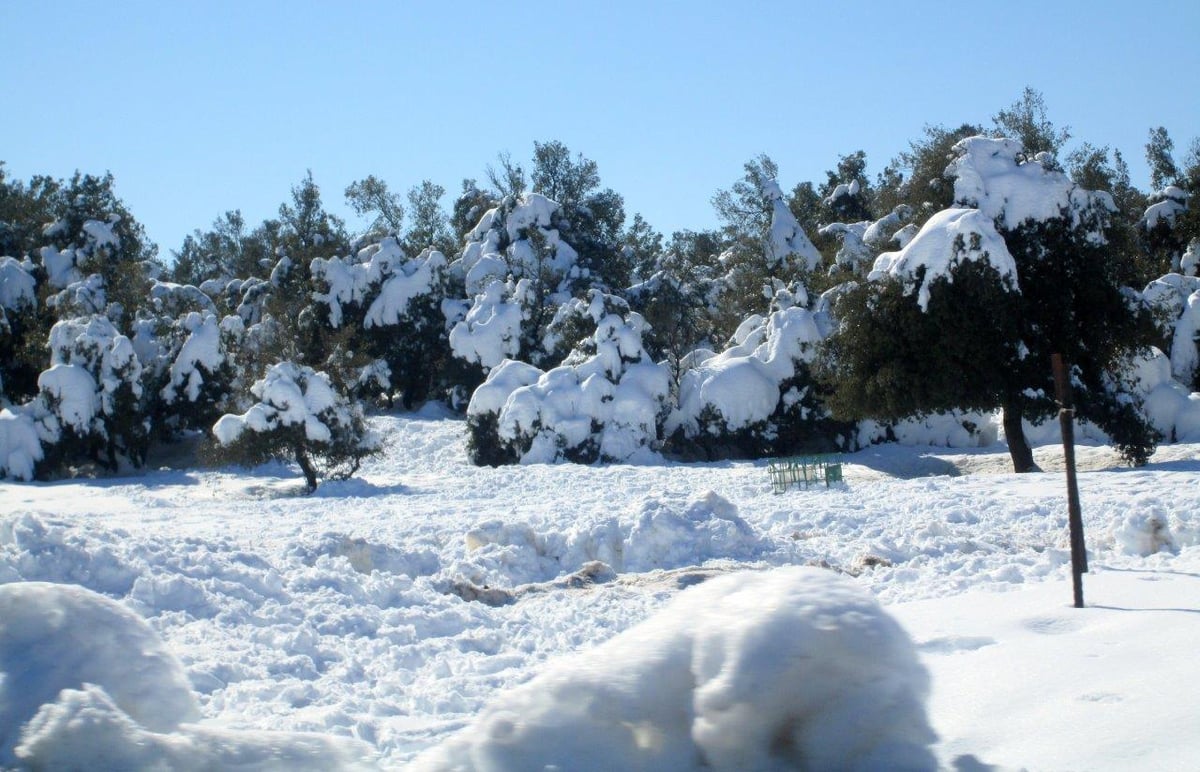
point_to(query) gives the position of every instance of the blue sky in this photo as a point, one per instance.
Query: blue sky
(201, 107)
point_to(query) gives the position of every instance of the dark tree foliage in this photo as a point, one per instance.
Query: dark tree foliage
(226, 251)
(917, 176)
(979, 344)
(588, 218)
(1026, 120)
(889, 359)
(370, 197)
(430, 225)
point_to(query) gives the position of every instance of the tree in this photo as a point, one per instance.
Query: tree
(430, 225)
(300, 416)
(588, 217)
(1025, 121)
(917, 176)
(226, 251)
(1163, 169)
(370, 197)
(969, 312)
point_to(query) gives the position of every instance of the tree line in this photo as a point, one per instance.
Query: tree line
(290, 325)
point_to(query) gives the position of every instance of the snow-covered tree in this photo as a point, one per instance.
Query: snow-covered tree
(606, 402)
(1175, 302)
(391, 306)
(90, 399)
(758, 397)
(763, 241)
(18, 324)
(1017, 270)
(301, 417)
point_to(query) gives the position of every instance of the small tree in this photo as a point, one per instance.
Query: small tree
(299, 416)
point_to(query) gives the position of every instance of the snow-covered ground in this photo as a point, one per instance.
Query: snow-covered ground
(387, 612)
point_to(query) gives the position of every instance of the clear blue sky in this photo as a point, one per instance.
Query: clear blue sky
(200, 107)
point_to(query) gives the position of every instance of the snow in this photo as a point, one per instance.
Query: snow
(491, 330)
(1173, 203)
(414, 279)
(993, 176)
(87, 680)
(794, 668)
(499, 246)
(20, 443)
(289, 395)
(743, 382)
(787, 240)
(934, 248)
(18, 288)
(428, 596)
(74, 394)
(200, 352)
(1175, 298)
(609, 393)
(1189, 262)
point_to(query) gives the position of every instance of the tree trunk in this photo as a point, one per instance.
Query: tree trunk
(310, 474)
(1018, 446)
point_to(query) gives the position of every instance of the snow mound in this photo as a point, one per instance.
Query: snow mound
(793, 668)
(1144, 533)
(55, 637)
(709, 528)
(664, 533)
(86, 684)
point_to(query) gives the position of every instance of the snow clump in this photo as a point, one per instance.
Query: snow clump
(792, 668)
(86, 684)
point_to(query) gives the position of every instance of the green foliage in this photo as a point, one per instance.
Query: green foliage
(888, 359)
(917, 176)
(226, 251)
(430, 225)
(588, 218)
(370, 197)
(484, 446)
(1026, 120)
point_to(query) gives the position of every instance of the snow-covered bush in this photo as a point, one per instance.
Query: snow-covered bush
(862, 241)
(299, 417)
(18, 308)
(491, 331)
(758, 397)
(392, 306)
(1175, 302)
(794, 668)
(21, 438)
(517, 239)
(605, 402)
(90, 400)
(200, 375)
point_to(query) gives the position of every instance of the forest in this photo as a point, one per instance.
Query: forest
(814, 318)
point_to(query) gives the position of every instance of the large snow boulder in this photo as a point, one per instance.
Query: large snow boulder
(789, 669)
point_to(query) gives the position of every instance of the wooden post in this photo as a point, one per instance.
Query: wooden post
(1066, 421)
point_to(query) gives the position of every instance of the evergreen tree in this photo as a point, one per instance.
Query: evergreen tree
(430, 225)
(1025, 121)
(300, 416)
(226, 251)
(1004, 280)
